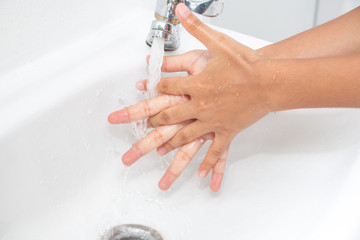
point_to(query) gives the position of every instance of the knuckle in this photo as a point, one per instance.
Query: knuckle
(207, 165)
(181, 88)
(215, 151)
(138, 149)
(169, 146)
(221, 37)
(165, 117)
(184, 156)
(153, 122)
(202, 104)
(158, 137)
(201, 85)
(146, 108)
(182, 138)
(172, 144)
(194, 25)
(149, 123)
(221, 160)
(174, 173)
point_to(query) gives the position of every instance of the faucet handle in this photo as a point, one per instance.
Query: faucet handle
(208, 8)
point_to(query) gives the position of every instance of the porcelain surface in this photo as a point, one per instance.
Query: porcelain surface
(293, 175)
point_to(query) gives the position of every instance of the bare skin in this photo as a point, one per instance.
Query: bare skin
(160, 136)
(231, 86)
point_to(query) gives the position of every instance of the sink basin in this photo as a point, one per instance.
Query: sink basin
(293, 175)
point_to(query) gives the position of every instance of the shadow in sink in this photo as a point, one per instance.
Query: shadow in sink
(300, 132)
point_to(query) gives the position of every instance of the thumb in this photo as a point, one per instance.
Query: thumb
(195, 26)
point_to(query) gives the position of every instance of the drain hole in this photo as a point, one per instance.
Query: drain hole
(132, 232)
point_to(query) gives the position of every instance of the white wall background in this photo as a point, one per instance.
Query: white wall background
(328, 9)
(30, 29)
(274, 20)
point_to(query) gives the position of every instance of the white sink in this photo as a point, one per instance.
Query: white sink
(293, 175)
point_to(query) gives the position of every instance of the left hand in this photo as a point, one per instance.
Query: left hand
(160, 136)
(193, 63)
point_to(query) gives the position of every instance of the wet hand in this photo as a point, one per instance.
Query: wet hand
(227, 96)
(161, 135)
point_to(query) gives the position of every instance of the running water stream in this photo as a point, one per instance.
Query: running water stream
(155, 63)
(154, 75)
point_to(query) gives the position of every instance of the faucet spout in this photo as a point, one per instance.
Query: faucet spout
(166, 24)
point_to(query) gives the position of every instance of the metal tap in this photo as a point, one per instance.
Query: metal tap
(167, 26)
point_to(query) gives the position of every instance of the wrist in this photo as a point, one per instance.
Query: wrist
(267, 51)
(279, 50)
(271, 83)
(270, 51)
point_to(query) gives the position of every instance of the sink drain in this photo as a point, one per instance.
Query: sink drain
(132, 232)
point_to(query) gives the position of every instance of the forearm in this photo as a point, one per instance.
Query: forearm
(337, 37)
(314, 83)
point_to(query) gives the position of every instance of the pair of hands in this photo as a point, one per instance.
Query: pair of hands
(226, 91)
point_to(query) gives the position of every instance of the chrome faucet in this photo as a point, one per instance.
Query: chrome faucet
(166, 25)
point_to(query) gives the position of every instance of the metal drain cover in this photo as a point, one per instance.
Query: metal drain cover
(132, 232)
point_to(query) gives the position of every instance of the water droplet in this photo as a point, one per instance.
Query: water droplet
(275, 75)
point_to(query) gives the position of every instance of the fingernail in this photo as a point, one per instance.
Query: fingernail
(121, 116)
(161, 151)
(216, 182)
(140, 86)
(127, 159)
(130, 157)
(184, 11)
(203, 174)
(166, 181)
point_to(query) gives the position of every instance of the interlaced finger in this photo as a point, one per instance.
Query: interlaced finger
(173, 115)
(154, 139)
(180, 162)
(184, 136)
(174, 85)
(218, 172)
(145, 109)
(189, 62)
(216, 149)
